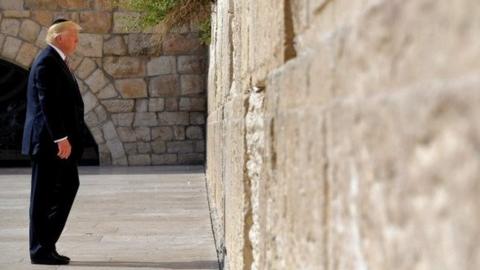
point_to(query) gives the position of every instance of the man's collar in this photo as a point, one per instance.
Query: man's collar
(62, 55)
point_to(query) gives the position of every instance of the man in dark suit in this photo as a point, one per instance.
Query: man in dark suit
(53, 139)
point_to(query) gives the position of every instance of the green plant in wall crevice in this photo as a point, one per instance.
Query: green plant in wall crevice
(170, 14)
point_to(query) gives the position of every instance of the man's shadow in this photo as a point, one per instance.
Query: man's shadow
(170, 265)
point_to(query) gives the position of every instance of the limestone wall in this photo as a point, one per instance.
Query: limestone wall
(345, 134)
(145, 101)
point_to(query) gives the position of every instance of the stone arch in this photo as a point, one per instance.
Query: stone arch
(21, 39)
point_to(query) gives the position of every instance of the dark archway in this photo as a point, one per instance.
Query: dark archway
(13, 85)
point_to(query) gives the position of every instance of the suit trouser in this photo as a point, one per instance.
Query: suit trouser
(54, 186)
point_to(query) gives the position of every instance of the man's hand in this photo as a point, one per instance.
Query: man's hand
(64, 149)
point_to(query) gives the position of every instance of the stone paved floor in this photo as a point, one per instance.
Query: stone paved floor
(123, 218)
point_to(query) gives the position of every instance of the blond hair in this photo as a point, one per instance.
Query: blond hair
(59, 28)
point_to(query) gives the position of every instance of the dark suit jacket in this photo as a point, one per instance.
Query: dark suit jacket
(54, 107)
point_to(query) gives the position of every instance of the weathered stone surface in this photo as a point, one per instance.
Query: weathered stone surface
(180, 147)
(40, 42)
(96, 22)
(90, 101)
(175, 44)
(86, 68)
(159, 146)
(145, 120)
(11, 4)
(101, 113)
(130, 148)
(192, 84)
(143, 44)
(26, 54)
(118, 105)
(122, 67)
(16, 13)
(191, 158)
(107, 92)
(200, 147)
(106, 5)
(40, 4)
(10, 27)
(143, 134)
(172, 118)
(191, 64)
(144, 148)
(179, 133)
(162, 133)
(194, 132)
(115, 46)
(43, 17)
(96, 80)
(11, 47)
(165, 159)
(156, 104)
(2, 39)
(122, 119)
(162, 65)
(97, 134)
(29, 30)
(171, 104)
(121, 22)
(72, 4)
(118, 153)
(141, 105)
(197, 118)
(131, 88)
(109, 131)
(192, 104)
(165, 85)
(68, 15)
(90, 45)
(126, 134)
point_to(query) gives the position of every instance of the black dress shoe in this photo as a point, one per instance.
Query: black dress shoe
(55, 253)
(50, 259)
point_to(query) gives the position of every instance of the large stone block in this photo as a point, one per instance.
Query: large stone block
(40, 4)
(162, 133)
(166, 159)
(131, 88)
(107, 92)
(181, 147)
(122, 119)
(115, 46)
(26, 54)
(137, 160)
(193, 104)
(191, 158)
(126, 134)
(143, 44)
(11, 4)
(123, 67)
(29, 30)
(97, 80)
(86, 68)
(171, 104)
(90, 101)
(118, 105)
(192, 84)
(176, 44)
(159, 146)
(145, 120)
(172, 118)
(10, 27)
(96, 22)
(197, 118)
(194, 132)
(43, 17)
(179, 133)
(122, 22)
(191, 64)
(90, 45)
(106, 5)
(161, 65)
(16, 14)
(156, 104)
(165, 85)
(73, 4)
(11, 47)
